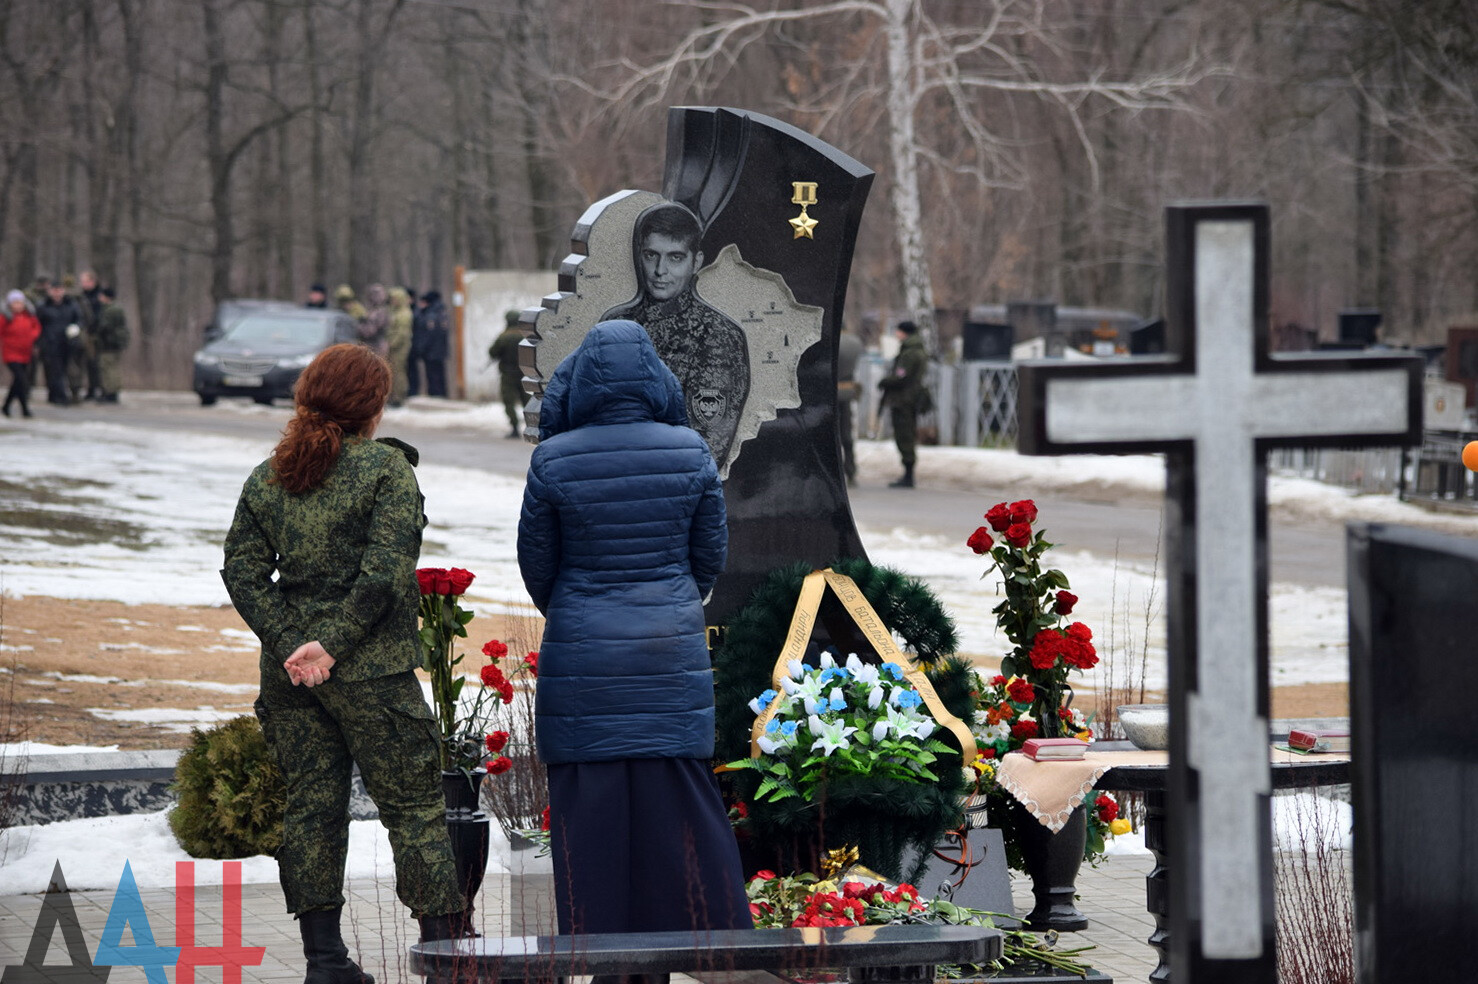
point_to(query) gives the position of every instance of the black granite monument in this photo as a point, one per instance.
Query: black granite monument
(1214, 405)
(1412, 679)
(747, 316)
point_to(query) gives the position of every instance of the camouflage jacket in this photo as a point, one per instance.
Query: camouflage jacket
(904, 385)
(345, 554)
(112, 329)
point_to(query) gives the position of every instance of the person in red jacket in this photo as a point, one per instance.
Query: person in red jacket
(19, 330)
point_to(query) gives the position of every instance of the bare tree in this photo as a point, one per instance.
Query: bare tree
(932, 68)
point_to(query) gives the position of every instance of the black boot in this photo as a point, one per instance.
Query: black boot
(328, 957)
(452, 926)
(906, 482)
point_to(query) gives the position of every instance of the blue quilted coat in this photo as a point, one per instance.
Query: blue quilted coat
(622, 535)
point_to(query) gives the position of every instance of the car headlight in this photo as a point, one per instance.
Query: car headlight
(296, 361)
(206, 360)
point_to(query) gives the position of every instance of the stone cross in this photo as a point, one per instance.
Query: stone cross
(1214, 405)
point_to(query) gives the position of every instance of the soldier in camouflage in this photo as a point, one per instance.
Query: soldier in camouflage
(338, 518)
(904, 391)
(110, 337)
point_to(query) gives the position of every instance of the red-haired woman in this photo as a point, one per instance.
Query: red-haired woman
(19, 330)
(337, 517)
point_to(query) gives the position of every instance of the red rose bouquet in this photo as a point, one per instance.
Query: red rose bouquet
(1046, 647)
(461, 721)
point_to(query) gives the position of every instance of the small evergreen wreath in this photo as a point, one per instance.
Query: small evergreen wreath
(881, 817)
(231, 796)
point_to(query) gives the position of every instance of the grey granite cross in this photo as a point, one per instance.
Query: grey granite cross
(1214, 406)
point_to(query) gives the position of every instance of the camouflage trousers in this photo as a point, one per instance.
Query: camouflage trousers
(110, 378)
(906, 434)
(317, 734)
(510, 388)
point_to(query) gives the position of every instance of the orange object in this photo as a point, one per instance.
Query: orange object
(1470, 456)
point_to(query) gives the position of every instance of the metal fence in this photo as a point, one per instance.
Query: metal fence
(974, 403)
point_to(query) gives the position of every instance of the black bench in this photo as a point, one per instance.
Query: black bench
(892, 954)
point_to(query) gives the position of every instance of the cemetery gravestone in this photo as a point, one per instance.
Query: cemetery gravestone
(1214, 406)
(1412, 680)
(748, 318)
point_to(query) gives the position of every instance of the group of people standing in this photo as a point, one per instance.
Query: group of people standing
(75, 330)
(413, 334)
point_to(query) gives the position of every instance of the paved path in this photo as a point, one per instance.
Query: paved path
(379, 930)
(1105, 522)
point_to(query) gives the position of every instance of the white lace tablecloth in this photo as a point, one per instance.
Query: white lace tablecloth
(1050, 791)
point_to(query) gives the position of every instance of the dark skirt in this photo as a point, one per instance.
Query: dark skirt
(643, 845)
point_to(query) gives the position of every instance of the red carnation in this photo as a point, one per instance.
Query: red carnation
(987, 752)
(429, 579)
(492, 676)
(1080, 632)
(496, 742)
(494, 649)
(980, 541)
(1046, 647)
(999, 517)
(544, 819)
(1108, 810)
(532, 662)
(1024, 730)
(1064, 603)
(506, 692)
(500, 765)
(1019, 534)
(459, 580)
(997, 681)
(1021, 691)
(1079, 654)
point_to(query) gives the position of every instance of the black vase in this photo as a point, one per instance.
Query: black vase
(468, 828)
(1052, 862)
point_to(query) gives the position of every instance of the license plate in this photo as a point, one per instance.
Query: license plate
(243, 381)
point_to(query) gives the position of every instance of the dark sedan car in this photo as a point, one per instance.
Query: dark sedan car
(262, 353)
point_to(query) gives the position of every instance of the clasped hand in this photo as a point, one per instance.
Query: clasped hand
(309, 664)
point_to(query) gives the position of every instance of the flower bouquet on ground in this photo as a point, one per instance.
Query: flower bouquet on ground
(859, 898)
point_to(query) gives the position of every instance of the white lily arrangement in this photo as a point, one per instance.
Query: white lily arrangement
(835, 720)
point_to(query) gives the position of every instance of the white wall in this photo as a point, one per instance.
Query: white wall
(487, 295)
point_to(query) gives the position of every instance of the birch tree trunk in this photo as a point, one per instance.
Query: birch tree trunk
(918, 289)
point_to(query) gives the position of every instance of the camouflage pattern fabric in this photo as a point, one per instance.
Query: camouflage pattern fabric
(317, 734)
(706, 351)
(903, 390)
(345, 554)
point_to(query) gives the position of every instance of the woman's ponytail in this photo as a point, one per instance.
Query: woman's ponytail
(340, 394)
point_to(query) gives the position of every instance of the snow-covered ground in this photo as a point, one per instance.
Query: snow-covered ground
(27, 854)
(124, 513)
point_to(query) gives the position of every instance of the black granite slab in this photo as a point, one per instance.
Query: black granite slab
(529, 957)
(1415, 782)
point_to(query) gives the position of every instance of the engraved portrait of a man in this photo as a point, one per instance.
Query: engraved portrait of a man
(704, 348)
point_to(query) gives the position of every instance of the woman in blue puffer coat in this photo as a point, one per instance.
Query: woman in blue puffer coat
(622, 537)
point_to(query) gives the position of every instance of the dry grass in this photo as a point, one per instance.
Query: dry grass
(1314, 898)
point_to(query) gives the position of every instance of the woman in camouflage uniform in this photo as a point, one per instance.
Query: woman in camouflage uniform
(338, 517)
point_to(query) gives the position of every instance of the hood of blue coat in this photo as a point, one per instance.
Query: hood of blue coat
(614, 377)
